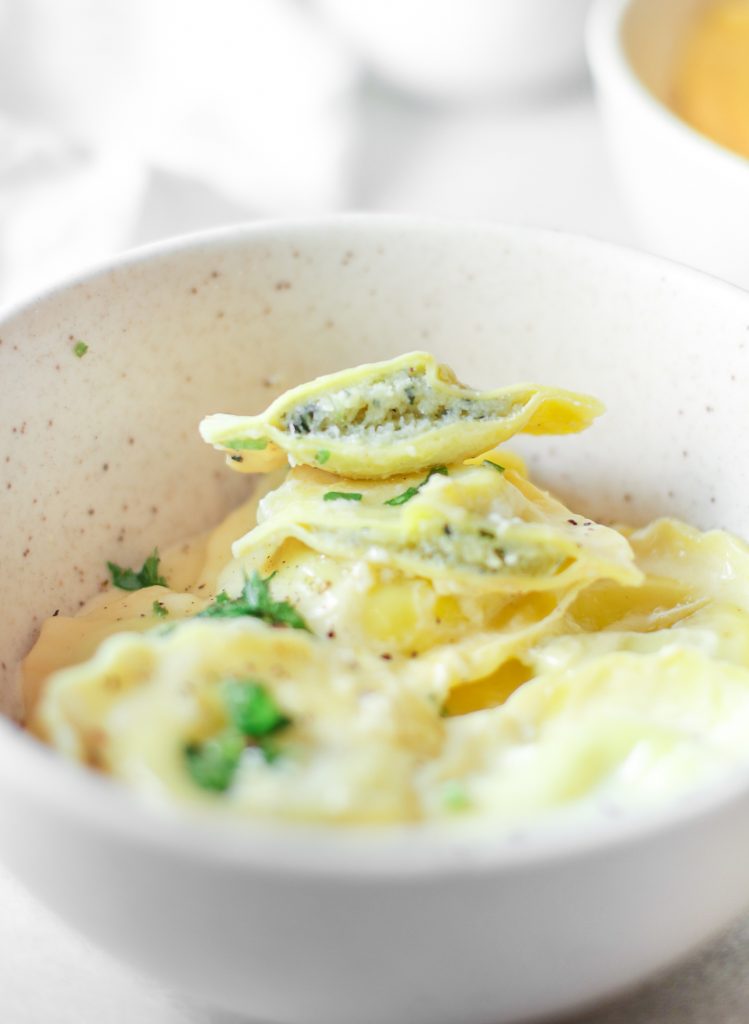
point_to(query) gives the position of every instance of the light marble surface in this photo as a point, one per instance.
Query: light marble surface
(544, 163)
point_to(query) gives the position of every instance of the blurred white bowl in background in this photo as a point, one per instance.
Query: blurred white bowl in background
(689, 195)
(466, 49)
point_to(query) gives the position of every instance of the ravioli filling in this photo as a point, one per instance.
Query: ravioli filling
(400, 404)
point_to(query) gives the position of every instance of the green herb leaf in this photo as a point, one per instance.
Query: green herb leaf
(252, 709)
(255, 600)
(213, 763)
(454, 796)
(165, 630)
(322, 456)
(147, 576)
(494, 465)
(255, 444)
(270, 749)
(401, 499)
(160, 609)
(342, 496)
(411, 492)
(80, 349)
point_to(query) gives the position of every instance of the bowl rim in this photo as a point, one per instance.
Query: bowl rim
(612, 69)
(30, 769)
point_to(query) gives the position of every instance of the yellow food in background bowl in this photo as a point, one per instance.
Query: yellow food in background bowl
(711, 89)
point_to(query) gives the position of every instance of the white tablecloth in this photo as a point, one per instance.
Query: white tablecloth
(542, 164)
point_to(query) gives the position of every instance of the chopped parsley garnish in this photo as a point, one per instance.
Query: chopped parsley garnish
(322, 456)
(270, 749)
(252, 708)
(255, 444)
(80, 349)
(212, 764)
(160, 609)
(147, 576)
(254, 719)
(494, 465)
(255, 600)
(401, 499)
(454, 796)
(342, 496)
(411, 492)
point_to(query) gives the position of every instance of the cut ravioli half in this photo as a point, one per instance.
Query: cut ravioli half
(466, 528)
(399, 416)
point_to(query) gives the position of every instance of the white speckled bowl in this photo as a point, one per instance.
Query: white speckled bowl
(689, 195)
(100, 456)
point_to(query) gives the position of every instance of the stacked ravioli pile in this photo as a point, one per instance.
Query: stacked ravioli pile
(400, 627)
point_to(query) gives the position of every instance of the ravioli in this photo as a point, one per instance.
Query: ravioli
(623, 730)
(408, 631)
(384, 419)
(695, 594)
(468, 528)
(345, 751)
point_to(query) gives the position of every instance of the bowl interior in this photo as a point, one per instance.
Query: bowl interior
(100, 454)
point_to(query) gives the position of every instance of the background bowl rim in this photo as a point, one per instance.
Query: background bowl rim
(29, 768)
(610, 66)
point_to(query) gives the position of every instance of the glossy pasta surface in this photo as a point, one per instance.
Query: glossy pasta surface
(410, 631)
